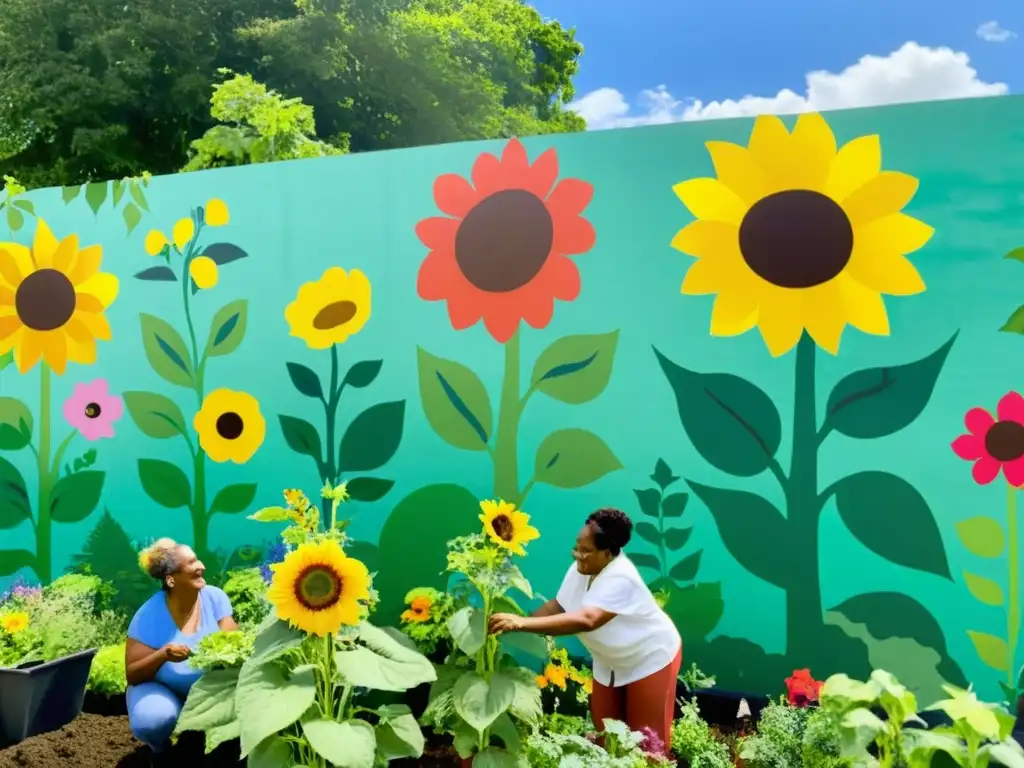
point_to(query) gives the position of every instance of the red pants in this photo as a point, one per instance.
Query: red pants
(647, 703)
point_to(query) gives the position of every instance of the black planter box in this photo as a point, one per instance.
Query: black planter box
(40, 697)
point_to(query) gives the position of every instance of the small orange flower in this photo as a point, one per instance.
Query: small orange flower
(419, 610)
(542, 682)
(556, 675)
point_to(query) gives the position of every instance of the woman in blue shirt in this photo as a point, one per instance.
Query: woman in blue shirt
(162, 635)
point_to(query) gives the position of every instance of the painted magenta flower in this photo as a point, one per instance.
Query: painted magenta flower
(92, 410)
(501, 252)
(995, 442)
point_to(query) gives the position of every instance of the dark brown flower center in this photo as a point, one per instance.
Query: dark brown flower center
(45, 300)
(93, 410)
(333, 315)
(318, 587)
(503, 528)
(503, 242)
(230, 425)
(1004, 440)
(796, 238)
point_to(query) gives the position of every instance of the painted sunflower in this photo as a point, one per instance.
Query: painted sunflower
(329, 310)
(13, 623)
(52, 301)
(318, 589)
(506, 526)
(502, 255)
(230, 426)
(794, 235)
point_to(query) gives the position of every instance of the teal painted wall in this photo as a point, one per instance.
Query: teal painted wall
(295, 220)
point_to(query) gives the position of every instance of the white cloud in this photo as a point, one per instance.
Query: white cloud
(992, 32)
(911, 73)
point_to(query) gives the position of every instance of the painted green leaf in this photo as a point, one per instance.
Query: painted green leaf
(301, 436)
(894, 614)
(155, 415)
(991, 650)
(877, 402)
(649, 499)
(663, 474)
(573, 458)
(676, 538)
(674, 504)
(686, 569)
(75, 497)
(350, 743)
(645, 560)
(13, 560)
(138, 196)
(15, 218)
(372, 438)
(305, 380)
(982, 536)
(1017, 254)
(96, 195)
(166, 351)
(1015, 322)
(362, 374)
(648, 532)
(891, 518)
(227, 329)
(15, 424)
(68, 194)
(15, 507)
(26, 205)
(368, 488)
(118, 189)
(224, 253)
(575, 369)
(6, 360)
(165, 483)
(158, 274)
(984, 589)
(479, 701)
(695, 609)
(232, 499)
(752, 530)
(455, 402)
(132, 217)
(731, 422)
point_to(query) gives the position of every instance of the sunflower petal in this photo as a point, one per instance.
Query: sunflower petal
(15, 264)
(487, 174)
(712, 200)
(733, 313)
(856, 163)
(898, 233)
(570, 197)
(770, 145)
(102, 286)
(706, 239)
(779, 321)
(864, 308)
(823, 315)
(703, 277)
(44, 245)
(543, 173)
(453, 195)
(86, 265)
(738, 170)
(66, 253)
(885, 194)
(876, 266)
(813, 142)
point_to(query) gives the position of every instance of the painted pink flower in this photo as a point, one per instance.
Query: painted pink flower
(92, 410)
(995, 442)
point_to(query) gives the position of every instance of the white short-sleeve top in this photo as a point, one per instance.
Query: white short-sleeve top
(639, 641)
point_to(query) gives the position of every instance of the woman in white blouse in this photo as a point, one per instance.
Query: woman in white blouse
(636, 648)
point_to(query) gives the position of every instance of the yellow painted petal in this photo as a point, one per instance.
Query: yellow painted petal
(710, 199)
(182, 232)
(64, 256)
(80, 349)
(856, 163)
(204, 271)
(779, 320)
(55, 350)
(877, 266)
(814, 150)
(770, 145)
(738, 170)
(29, 351)
(898, 233)
(865, 309)
(15, 264)
(103, 286)
(885, 194)
(733, 313)
(155, 242)
(9, 326)
(824, 315)
(44, 245)
(88, 264)
(708, 239)
(703, 277)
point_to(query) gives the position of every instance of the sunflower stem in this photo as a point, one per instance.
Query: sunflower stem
(506, 459)
(329, 471)
(1013, 586)
(43, 529)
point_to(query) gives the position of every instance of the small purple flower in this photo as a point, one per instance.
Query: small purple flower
(21, 589)
(275, 554)
(652, 743)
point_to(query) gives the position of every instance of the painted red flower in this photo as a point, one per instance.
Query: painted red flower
(500, 254)
(995, 442)
(802, 688)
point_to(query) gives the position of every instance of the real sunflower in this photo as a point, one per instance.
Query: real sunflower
(318, 589)
(204, 271)
(13, 623)
(230, 426)
(52, 301)
(506, 526)
(794, 235)
(329, 310)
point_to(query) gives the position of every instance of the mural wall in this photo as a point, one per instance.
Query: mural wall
(819, 435)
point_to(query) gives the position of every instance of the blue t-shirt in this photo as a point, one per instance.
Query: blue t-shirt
(153, 625)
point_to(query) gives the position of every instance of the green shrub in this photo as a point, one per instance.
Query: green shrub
(693, 741)
(247, 591)
(107, 675)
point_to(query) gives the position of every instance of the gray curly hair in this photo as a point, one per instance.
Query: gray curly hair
(162, 558)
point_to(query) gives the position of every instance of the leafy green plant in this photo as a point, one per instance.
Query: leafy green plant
(694, 742)
(130, 190)
(107, 674)
(247, 592)
(223, 650)
(425, 620)
(695, 679)
(792, 736)
(979, 734)
(623, 749)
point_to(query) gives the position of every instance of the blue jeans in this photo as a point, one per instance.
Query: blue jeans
(153, 711)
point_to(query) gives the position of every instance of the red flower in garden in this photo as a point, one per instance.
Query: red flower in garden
(802, 688)
(500, 254)
(995, 442)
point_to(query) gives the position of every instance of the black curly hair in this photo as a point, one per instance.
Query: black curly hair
(612, 529)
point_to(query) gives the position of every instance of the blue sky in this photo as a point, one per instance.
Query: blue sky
(728, 49)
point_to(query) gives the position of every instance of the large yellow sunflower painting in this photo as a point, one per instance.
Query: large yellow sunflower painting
(794, 234)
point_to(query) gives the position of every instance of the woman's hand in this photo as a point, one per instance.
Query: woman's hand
(505, 622)
(177, 651)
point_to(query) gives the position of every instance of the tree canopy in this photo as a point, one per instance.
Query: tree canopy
(110, 89)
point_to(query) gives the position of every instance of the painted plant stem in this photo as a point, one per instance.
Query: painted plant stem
(1013, 586)
(44, 523)
(506, 441)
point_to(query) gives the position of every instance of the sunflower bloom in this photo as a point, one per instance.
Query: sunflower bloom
(329, 310)
(506, 526)
(794, 235)
(318, 589)
(52, 301)
(556, 676)
(13, 623)
(230, 426)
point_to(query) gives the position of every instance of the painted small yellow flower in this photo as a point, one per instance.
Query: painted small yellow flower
(230, 426)
(329, 310)
(296, 499)
(13, 623)
(506, 526)
(217, 213)
(182, 232)
(204, 271)
(156, 241)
